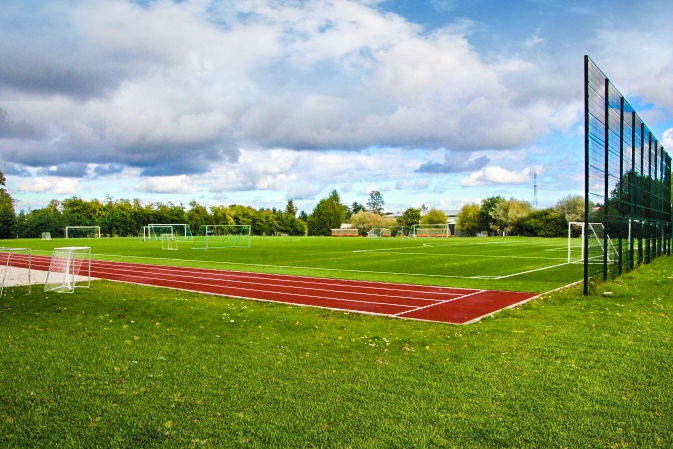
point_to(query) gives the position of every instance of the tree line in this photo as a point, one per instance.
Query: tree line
(499, 216)
(124, 218)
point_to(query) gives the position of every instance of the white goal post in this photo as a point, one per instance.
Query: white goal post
(91, 232)
(46, 236)
(223, 236)
(577, 234)
(430, 230)
(168, 242)
(69, 268)
(378, 232)
(179, 231)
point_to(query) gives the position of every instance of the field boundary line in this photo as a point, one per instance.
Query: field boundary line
(530, 271)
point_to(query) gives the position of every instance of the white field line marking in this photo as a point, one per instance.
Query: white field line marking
(530, 271)
(470, 255)
(440, 303)
(271, 291)
(261, 273)
(227, 283)
(343, 270)
(236, 276)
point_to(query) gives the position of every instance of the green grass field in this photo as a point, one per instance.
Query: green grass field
(502, 263)
(124, 366)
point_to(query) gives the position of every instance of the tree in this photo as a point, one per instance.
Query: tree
(7, 213)
(366, 220)
(542, 223)
(508, 212)
(354, 209)
(196, 216)
(328, 214)
(468, 219)
(571, 207)
(375, 202)
(434, 216)
(410, 217)
(290, 208)
(487, 213)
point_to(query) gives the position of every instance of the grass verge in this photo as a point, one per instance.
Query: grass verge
(122, 366)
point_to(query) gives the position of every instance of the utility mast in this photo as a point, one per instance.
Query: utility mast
(535, 189)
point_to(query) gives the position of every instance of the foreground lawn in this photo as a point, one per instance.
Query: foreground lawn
(121, 366)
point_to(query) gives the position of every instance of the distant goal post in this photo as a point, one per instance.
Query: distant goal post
(153, 231)
(87, 232)
(430, 230)
(223, 236)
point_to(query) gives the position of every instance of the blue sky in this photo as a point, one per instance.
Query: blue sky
(441, 102)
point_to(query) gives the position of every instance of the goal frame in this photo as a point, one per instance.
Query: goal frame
(186, 230)
(208, 238)
(582, 225)
(67, 228)
(444, 230)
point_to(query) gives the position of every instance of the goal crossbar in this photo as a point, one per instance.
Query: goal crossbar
(94, 229)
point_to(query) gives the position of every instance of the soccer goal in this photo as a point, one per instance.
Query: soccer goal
(168, 242)
(378, 232)
(223, 236)
(596, 235)
(398, 231)
(82, 232)
(69, 268)
(46, 236)
(430, 230)
(179, 230)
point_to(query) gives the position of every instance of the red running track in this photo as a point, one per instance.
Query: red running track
(442, 304)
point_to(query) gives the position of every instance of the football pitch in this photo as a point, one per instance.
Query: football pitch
(491, 263)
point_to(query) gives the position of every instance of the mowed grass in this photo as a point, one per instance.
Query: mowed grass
(122, 366)
(498, 263)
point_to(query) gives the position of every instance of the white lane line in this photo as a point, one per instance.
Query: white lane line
(530, 271)
(224, 288)
(440, 303)
(283, 276)
(280, 284)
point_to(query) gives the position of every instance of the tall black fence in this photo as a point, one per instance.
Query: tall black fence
(627, 184)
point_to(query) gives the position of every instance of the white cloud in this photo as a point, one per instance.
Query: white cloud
(35, 185)
(65, 186)
(174, 87)
(168, 184)
(497, 175)
(667, 140)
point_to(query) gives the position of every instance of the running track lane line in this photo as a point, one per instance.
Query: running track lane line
(457, 308)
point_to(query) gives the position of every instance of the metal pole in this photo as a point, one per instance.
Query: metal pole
(585, 242)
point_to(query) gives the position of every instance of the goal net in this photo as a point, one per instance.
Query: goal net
(223, 236)
(378, 232)
(82, 232)
(596, 238)
(154, 231)
(46, 236)
(69, 268)
(168, 241)
(398, 231)
(430, 230)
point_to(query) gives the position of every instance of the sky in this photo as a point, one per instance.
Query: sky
(438, 102)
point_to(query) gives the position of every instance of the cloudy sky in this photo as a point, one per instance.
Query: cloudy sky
(436, 102)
